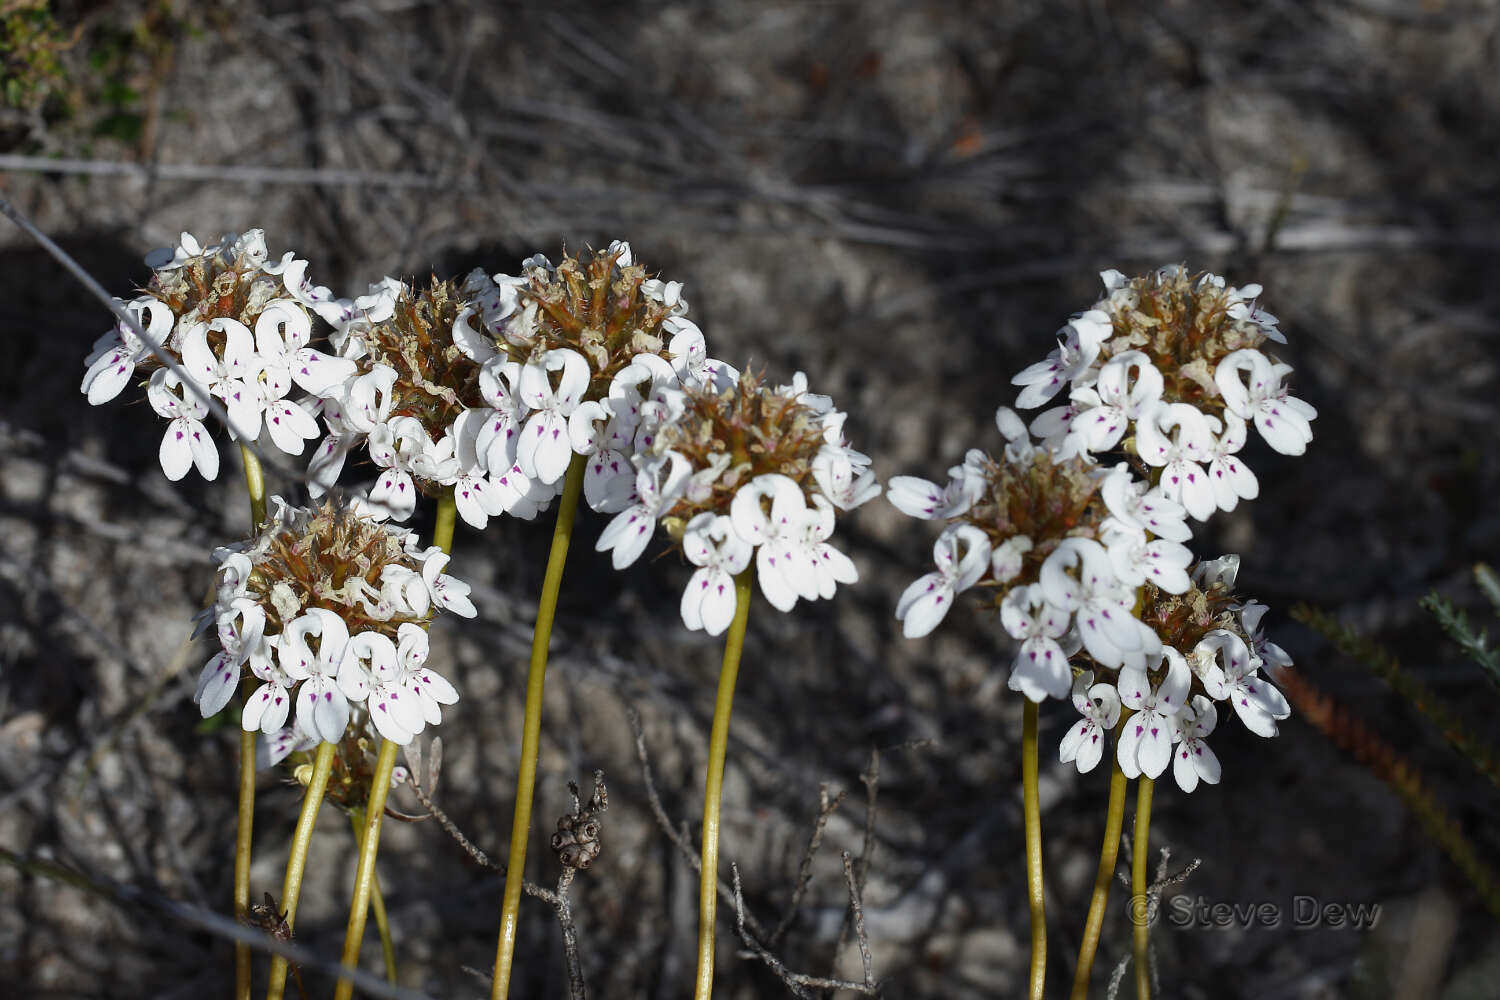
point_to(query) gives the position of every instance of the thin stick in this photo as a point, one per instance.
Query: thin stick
(713, 789)
(291, 888)
(1114, 820)
(364, 874)
(377, 899)
(531, 729)
(1139, 887)
(189, 384)
(1033, 812)
(856, 907)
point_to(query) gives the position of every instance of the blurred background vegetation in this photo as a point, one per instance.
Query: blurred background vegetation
(903, 199)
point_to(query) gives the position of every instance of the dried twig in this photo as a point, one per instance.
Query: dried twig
(857, 911)
(826, 808)
(679, 837)
(799, 983)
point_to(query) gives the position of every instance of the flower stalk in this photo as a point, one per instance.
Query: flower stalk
(1114, 821)
(296, 863)
(718, 744)
(1140, 904)
(531, 730)
(377, 900)
(364, 876)
(1033, 813)
(255, 485)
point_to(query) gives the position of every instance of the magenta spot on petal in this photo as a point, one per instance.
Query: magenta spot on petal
(179, 435)
(1139, 730)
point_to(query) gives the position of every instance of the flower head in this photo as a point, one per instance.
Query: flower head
(238, 328)
(734, 467)
(329, 611)
(1209, 649)
(1058, 543)
(1175, 366)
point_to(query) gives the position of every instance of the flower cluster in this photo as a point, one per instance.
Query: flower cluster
(1087, 562)
(1178, 361)
(1212, 650)
(330, 609)
(492, 385)
(1061, 544)
(735, 469)
(199, 309)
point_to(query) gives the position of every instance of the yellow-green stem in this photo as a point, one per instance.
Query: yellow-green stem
(1114, 820)
(531, 728)
(377, 899)
(291, 888)
(364, 873)
(255, 486)
(243, 831)
(1139, 908)
(713, 787)
(1033, 812)
(442, 531)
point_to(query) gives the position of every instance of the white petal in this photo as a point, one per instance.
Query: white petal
(216, 685)
(107, 376)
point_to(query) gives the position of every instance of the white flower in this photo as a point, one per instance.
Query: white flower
(1161, 562)
(116, 354)
(781, 559)
(498, 437)
(1102, 606)
(228, 376)
(544, 448)
(1041, 667)
(1106, 409)
(1283, 420)
(187, 442)
(1176, 437)
(1077, 348)
(269, 705)
(608, 476)
(709, 542)
(827, 567)
(1261, 648)
(1232, 674)
(216, 684)
(447, 592)
(322, 709)
(281, 335)
(689, 352)
(1194, 760)
(365, 400)
(962, 554)
(842, 478)
(430, 689)
(657, 485)
(1099, 704)
(1136, 505)
(923, 499)
(1145, 745)
(394, 709)
(402, 447)
(1232, 479)
(328, 458)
